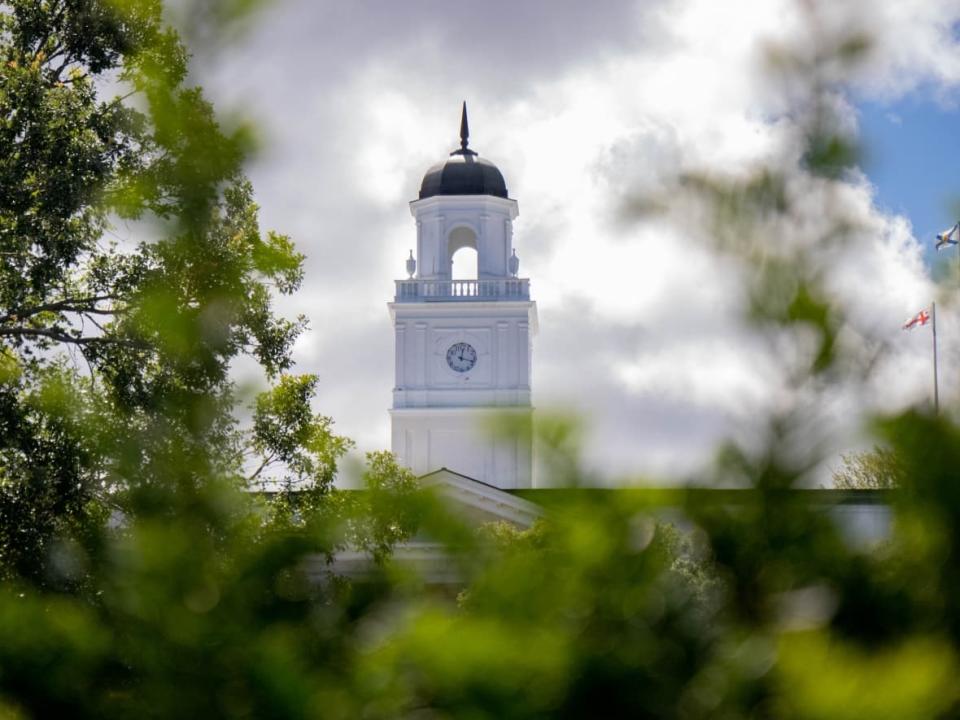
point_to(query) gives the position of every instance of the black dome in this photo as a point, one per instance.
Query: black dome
(463, 173)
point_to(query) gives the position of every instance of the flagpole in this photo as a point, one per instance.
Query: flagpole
(936, 385)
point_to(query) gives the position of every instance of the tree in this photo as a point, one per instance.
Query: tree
(876, 469)
(116, 354)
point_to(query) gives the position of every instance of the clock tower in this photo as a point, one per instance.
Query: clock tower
(463, 345)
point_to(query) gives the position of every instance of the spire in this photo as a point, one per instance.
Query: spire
(464, 128)
(464, 134)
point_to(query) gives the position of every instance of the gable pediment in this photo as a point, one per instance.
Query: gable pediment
(480, 501)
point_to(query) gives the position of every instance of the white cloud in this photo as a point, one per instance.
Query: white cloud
(356, 104)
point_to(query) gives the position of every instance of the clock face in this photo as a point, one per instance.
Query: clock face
(461, 357)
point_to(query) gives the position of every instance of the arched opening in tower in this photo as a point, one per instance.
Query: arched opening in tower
(464, 264)
(462, 245)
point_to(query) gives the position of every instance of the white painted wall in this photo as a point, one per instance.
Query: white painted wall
(470, 441)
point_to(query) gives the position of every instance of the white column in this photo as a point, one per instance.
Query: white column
(501, 378)
(485, 260)
(442, 251)
(420, 329)
(420, 254)
(523, 355)
(400, 375)
(507, 244)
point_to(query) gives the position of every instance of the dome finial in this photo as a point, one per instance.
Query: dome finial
(464, 134)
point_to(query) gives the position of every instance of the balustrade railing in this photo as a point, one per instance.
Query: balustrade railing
(421, 290)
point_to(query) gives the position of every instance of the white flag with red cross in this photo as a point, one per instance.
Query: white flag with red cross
(921, 318)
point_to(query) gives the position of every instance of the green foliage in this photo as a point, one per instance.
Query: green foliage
(876, 469)
(116, 356)
(388, 512)
(374, 520)
(285, 430)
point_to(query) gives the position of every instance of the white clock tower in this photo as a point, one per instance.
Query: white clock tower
(463, 346)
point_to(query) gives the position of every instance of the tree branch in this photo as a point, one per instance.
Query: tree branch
(52, 26)
(61, 336)
(266, 461)
(77, 305)
(99, 327)
(73, 79)
(68, 60)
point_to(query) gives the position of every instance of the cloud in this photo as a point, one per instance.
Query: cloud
(582, 109)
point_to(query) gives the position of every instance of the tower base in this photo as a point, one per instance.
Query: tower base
(492, 445)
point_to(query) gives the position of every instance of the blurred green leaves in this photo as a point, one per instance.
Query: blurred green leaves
(140, 577)
(823, 678)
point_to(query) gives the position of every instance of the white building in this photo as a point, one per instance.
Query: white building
(463, 346)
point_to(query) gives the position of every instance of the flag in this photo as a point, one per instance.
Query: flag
(949, 237)
(921, 318)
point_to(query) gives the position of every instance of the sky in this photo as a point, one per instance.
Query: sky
(910, 142)
(586, 107)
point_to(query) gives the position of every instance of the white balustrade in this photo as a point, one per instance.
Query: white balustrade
(421, 290)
